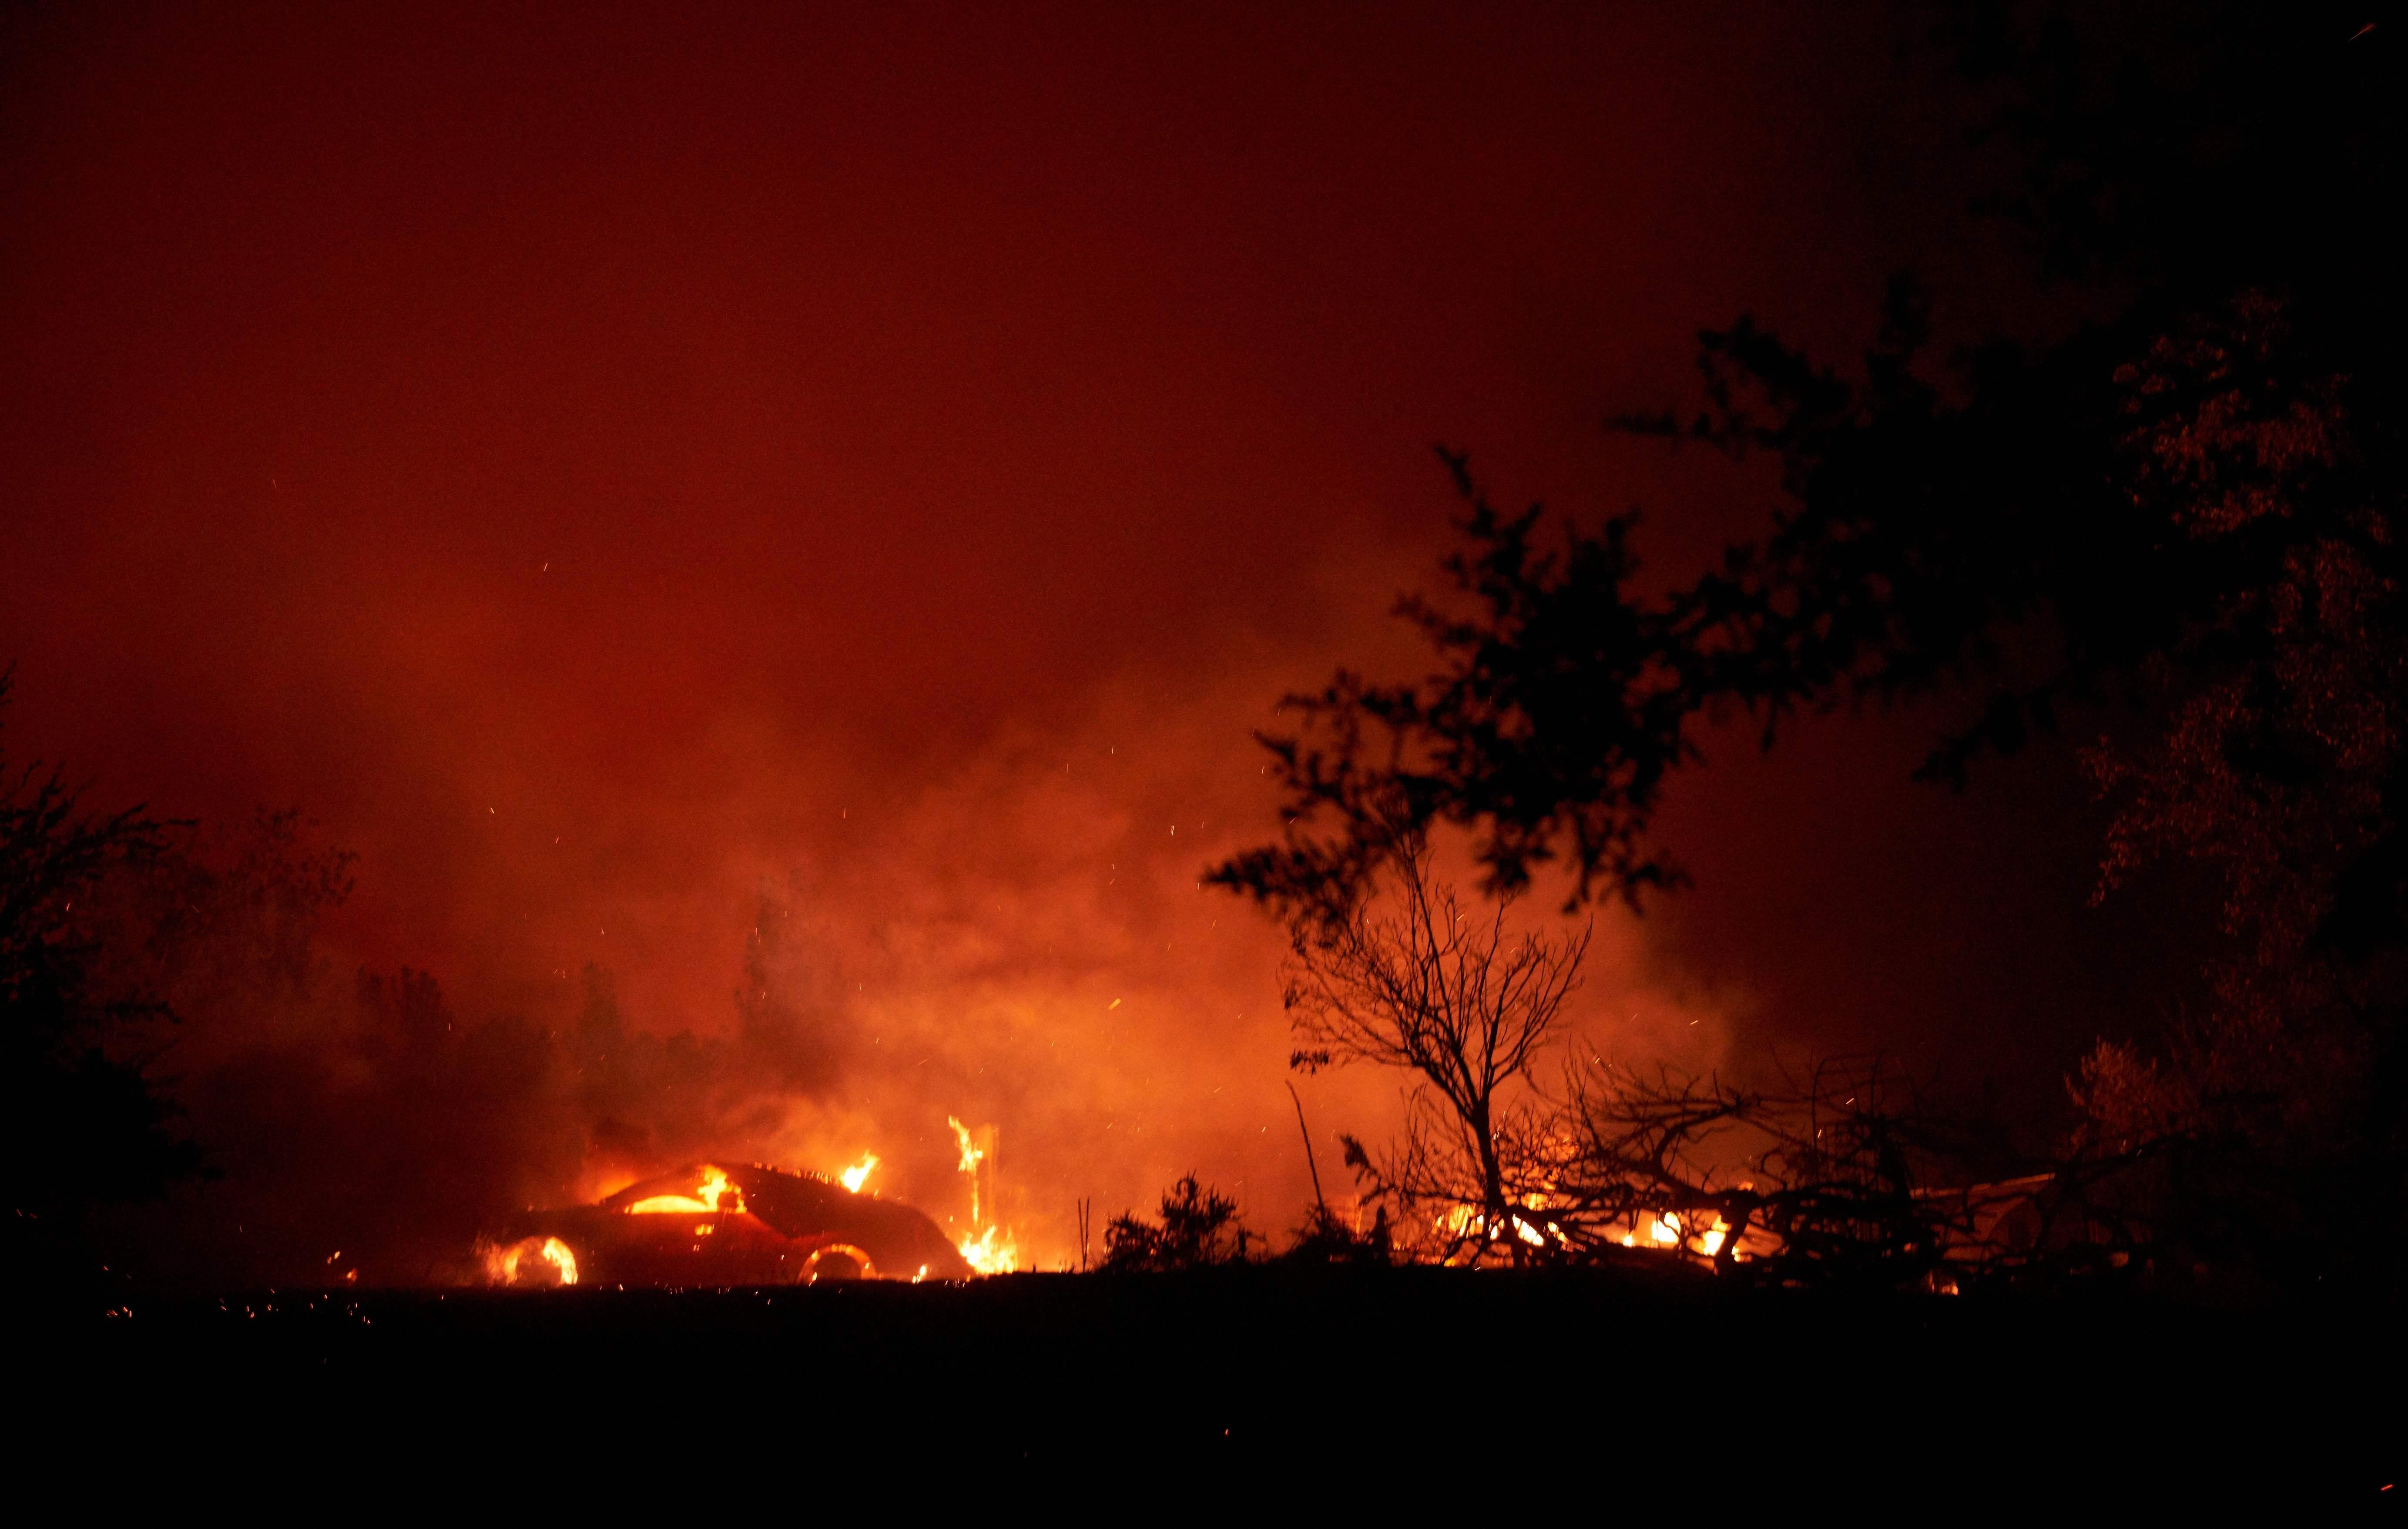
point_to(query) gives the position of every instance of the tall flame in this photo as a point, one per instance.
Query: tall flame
(992, 1250)
(971, 1158)
(858, 1174)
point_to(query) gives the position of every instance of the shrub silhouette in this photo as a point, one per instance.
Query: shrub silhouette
(1199, 1228)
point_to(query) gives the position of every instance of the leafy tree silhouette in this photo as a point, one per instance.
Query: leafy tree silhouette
(2187, 501)
(86, 1123)
(1928, 512)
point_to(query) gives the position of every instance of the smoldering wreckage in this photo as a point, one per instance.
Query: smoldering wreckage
(710, 1225)
(754, 1225)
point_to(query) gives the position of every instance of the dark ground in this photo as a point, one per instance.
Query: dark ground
(1627, 1393)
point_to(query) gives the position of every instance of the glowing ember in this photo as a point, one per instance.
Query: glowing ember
(858, 1174)
(992, 1251)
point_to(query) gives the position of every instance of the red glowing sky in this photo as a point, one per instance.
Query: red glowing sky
(593, 460)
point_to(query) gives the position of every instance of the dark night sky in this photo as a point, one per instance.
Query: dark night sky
(593, 462)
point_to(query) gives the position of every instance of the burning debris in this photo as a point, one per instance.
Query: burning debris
(713, 1225)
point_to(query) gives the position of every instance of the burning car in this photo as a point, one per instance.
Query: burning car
(713, 1225)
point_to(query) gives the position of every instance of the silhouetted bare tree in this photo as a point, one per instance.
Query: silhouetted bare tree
(1416, 979)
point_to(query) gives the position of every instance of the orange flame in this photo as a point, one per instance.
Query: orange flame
(708, 1197)
(971, 1158)
(992, 1251)
(1465, 1221)
(858, 1174)
(658, 1204)
(511, 1266)
(1667, 1231)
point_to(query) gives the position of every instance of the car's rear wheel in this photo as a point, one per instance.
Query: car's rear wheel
(838, 1261)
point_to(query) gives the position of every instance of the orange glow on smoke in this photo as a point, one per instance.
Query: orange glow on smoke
(995, 868)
